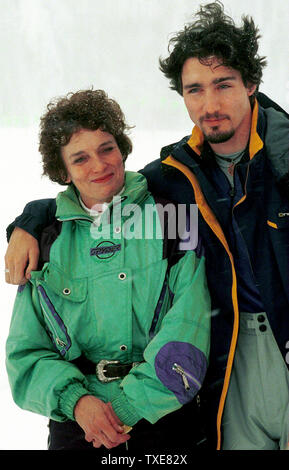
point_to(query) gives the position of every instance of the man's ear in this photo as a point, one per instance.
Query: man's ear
(251, 88)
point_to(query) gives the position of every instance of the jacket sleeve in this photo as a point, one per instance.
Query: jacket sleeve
(38, 376)
(35, 216)
(176, 358)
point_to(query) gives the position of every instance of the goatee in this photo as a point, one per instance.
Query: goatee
(219, 137)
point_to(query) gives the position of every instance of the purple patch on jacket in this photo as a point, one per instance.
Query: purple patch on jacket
(21, 288)
(186, 358)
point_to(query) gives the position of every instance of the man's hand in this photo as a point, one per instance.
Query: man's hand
(21, 257)
(99, 422)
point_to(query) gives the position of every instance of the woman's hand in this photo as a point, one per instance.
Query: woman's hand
(99, 422)
(21, 257)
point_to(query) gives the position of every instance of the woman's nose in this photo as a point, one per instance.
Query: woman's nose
(97, 164)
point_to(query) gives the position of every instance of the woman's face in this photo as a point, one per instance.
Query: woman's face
(94, 165)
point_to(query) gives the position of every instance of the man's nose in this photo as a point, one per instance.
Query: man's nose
(211, 102)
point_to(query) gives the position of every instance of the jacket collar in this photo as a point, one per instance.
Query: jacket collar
(196, 141)
(277, 143)
(69, 207)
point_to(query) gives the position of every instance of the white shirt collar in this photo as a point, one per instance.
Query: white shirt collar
(93, 212)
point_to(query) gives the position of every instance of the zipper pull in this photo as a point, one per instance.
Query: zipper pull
(60, 342)
(181, 371)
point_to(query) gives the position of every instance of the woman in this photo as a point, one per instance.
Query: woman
(112, 332)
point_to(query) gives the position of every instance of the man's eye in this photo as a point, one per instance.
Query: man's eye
(193, 91)
(224, 86)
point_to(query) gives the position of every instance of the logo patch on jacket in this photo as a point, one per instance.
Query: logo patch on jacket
(105, 249)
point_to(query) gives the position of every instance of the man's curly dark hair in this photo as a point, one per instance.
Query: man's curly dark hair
(87, 109)
(215, 34)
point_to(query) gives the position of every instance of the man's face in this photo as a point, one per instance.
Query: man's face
(217, 101)
(94, 165)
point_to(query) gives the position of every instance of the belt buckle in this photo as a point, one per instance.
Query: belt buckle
(100, 369)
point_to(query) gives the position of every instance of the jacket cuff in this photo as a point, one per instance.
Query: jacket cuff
(69, 397)
(124, 410)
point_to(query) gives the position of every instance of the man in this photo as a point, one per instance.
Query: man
(235, 167)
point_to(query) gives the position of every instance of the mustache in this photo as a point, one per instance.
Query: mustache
(215, 115)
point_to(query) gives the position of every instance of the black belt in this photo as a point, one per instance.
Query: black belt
(105, 370)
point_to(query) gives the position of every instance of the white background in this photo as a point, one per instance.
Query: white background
(51, 47)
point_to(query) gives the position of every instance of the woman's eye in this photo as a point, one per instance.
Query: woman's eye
(108, 149)
(79, 160)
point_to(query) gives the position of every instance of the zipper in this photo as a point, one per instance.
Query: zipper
(47, 314)
(57, 339)
(245, 187)
(217, 230)
(75, 218)
(185, 375)
(241, 235)
(49, 321)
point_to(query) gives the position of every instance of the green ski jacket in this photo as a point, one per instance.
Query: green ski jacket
(109, 292)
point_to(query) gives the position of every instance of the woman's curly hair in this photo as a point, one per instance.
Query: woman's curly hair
(215, 34)
(87, 109)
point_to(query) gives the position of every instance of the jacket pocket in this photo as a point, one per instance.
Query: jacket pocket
(278, 217)
(283, 218)
(71, 289)
(62, 301)
(281, 222)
